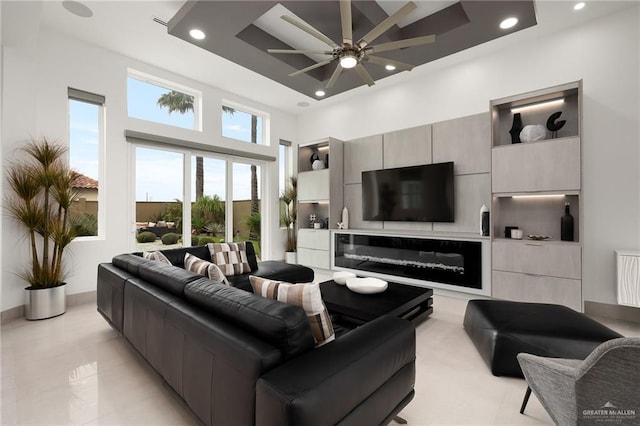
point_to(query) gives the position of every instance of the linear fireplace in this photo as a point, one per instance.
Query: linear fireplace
(451, 262)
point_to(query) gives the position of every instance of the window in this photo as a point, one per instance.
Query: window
(86, 126)
(284, 176)
(152, 99)
(243, 126)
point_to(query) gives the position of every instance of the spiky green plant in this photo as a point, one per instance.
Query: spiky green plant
(41, 195)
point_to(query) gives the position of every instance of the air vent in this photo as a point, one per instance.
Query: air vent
(159, 21)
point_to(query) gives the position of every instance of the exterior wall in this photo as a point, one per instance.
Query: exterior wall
(603, 53)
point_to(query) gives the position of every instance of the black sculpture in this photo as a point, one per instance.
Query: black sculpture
(516, 128)
(554, 126)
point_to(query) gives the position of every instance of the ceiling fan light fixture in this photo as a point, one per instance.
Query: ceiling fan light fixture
(348, 60)
(508, 23)
(197, 34)
(390, 67)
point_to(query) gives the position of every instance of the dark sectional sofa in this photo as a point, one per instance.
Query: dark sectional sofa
(241, 359)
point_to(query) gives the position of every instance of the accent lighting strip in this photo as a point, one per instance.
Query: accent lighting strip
(538, 105)
(539, 196)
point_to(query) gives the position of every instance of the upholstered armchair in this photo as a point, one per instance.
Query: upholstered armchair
(604, 387)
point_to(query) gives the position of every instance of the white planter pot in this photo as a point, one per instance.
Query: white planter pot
(290, 257)
(42, 303)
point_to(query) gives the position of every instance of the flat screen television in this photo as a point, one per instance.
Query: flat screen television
(410, 194)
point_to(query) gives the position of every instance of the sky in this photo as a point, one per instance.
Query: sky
(159, 173)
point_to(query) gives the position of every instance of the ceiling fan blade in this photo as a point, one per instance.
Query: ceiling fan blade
(383, 61)
(302, 52)
(386, 24)
(312, 67)
(364, 75)
(334, 76)
(309, 30)
(347, 23)
(401, 44)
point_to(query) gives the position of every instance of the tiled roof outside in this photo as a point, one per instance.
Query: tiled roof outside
(84, 182)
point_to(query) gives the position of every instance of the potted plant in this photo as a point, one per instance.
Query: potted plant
(289, 200)
(41, 196)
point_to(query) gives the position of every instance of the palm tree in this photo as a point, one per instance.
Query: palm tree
(182, 103)
(253, 235)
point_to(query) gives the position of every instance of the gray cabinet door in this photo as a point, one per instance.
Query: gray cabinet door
(313, 185)
(550, 165)
(537, 288)
(541, 258)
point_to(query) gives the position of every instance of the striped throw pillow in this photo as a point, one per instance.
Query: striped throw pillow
(307, 296)
(202, 267)
(230, 257)
(157, 256)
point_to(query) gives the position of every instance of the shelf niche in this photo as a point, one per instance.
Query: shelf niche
(535, 215)
(538, 113)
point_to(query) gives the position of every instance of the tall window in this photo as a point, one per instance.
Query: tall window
(86, 130)
(243, 126)
(153, 99)
(284, 176)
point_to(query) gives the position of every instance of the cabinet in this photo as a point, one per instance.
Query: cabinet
(320, 193)
(530, 184)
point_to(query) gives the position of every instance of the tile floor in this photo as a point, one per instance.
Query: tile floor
(74, 369)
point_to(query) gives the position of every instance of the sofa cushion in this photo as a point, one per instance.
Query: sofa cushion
(307, 296)
(202, 267)
(284, 326)
(157, 256)
(280, 271)
(230, 257)
(167, 277)
(129, 262)
(176, 255)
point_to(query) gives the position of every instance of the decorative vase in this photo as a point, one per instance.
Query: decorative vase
(317, 165)
(566, 224)
(290, 257)
(516, 128)
(42, 303)
(345, 218)
(484, 221)
(326, 161)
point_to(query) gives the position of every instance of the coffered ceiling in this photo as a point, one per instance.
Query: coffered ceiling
(242, 31)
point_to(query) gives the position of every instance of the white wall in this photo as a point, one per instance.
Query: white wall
(604, 53)
(36, 76)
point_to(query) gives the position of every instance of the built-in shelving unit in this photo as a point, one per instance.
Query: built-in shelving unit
(320, 193)
(530, 184)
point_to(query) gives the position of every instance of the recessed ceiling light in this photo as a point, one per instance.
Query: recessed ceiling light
(303, 104)
(77, 8)
(508, 23)
(390, 67)
(320, 93)
(197, 34)
(579, 6)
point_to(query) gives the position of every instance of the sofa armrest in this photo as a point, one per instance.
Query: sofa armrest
(363, 377)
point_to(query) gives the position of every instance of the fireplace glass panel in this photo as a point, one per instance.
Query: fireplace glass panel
(443, 261)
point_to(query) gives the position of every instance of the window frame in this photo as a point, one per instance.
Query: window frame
(169, 85)
(251, 111)
(100, 101)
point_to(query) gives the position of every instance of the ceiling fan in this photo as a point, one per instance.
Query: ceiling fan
(352, 55)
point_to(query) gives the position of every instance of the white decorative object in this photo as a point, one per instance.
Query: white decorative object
(317, 165)
(366, 285)
(345, 218)
(628, 273)
(517, 234)
(341, 277)
(484, 209)
(317, 225)
(533, 132)
(340, 225)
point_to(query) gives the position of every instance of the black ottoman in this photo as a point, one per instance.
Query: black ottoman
(500, 330)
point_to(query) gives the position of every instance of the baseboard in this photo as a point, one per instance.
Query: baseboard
(72, 300)
(607, 310)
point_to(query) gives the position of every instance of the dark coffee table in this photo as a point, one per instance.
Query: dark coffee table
(400, 300)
